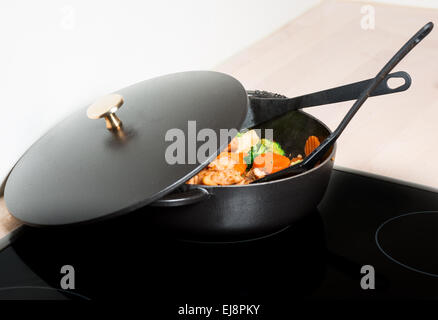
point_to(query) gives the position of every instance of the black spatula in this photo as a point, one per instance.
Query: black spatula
(266, 106)
(317, 154)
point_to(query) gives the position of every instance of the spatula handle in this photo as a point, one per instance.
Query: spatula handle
(400, 54)
(265, 105)
(317, 154)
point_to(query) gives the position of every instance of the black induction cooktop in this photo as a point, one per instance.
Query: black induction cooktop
(369, 239)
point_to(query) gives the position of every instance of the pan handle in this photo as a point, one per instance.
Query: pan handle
(182, 198)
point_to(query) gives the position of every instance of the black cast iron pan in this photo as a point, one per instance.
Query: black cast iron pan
(292, 138)
(81, 172)
(220, 213)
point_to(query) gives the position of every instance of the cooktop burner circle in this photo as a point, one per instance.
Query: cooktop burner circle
(411, 240)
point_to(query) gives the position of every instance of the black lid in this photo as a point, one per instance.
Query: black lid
(79, 171)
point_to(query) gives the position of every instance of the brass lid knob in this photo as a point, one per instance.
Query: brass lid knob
(106, 108)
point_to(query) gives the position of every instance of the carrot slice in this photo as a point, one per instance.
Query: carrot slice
(311, 144)
(240, 167)
(241, 164)
(271, 162)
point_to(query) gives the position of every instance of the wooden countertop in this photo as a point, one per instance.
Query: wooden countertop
(395, 135)
(7, 222)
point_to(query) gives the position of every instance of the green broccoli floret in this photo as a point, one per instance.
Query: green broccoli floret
(272, 146)
(263, 146)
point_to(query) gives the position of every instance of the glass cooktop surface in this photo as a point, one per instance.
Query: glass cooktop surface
(369, 239)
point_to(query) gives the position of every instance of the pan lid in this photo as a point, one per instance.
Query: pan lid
(125, 150)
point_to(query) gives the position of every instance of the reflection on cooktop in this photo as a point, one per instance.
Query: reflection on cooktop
(411, 240)
(38, 293)
(145, 262)
(316, 258)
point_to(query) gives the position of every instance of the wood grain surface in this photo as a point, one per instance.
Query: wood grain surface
(395, 135)
(7, 222)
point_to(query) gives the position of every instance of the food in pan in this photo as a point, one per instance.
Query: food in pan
(311, 144)
(248, 158)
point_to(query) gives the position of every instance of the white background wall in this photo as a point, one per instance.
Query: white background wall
(57, 55)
